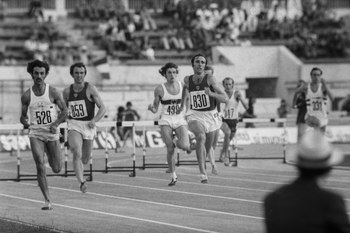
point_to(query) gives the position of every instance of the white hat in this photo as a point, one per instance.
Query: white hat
(315, 152)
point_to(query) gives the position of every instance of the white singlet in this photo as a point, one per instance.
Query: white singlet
(170, 104)
(316, 105)
(42, 114)
(230, 109)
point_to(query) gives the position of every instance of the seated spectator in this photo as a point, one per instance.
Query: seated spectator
(3, 10)
(83, 55)
(30, 46)
(36, 11)
(147, 21)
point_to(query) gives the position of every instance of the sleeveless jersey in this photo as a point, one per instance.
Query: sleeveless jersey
(170, 103)
(42, 111)
(316, 102)
(230, 109)
(79, 106)
(199, 100)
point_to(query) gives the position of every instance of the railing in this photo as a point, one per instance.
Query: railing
(24, 4)
(137, 4)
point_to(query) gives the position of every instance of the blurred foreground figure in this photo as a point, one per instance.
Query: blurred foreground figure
(304, 206)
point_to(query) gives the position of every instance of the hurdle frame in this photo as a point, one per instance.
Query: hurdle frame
(233, 161)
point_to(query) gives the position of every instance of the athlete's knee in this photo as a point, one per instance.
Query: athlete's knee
(201, 138)
(56, 168)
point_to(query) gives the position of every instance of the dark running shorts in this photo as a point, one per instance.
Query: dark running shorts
(232, 124)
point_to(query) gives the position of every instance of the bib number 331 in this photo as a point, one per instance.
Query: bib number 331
(199, 100)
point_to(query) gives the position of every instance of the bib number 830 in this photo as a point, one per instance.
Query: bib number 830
(199, 101)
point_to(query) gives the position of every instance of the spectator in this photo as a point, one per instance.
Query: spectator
(36, 11)
(119, 133)
(346, 105)
(282, 111)
(129, 115)
(304, 206)
(83, 55)
(3, 10)
(249, 113)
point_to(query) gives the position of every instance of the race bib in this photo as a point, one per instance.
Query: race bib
(172, 109)
(316, 105)
(199, 100)
(229, 113)
(77, 109)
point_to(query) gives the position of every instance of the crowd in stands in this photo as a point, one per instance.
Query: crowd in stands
(307, 27)
(200, 24)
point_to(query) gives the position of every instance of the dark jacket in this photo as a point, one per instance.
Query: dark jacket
(304, 207)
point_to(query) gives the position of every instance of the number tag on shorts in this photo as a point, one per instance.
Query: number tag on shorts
(199, 99)
(77, 109)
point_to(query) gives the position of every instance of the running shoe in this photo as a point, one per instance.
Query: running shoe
(173, 182)
(204, 179)
(83, 187)
(48, 206)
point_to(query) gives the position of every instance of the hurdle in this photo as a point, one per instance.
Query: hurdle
(233, 160)
(152, 165)
(27, 177)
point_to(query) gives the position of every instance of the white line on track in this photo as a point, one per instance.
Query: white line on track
(197, 183)
(175, 191)
(112, 214)
(152, 202)
(284, 176)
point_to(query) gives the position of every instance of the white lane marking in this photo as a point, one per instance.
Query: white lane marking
(112, 214)
(152, 202)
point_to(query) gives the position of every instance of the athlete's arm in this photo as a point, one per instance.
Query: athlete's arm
(325, 90)
(158, 94)
(301, 89)
(238, 96)
(219, 94)
(58, 100)
(95, 96)
(25, 100)
(184, 95)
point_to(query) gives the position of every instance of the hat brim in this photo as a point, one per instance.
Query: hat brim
(332, 160)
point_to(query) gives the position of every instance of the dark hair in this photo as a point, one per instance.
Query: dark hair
(121, 109)
(198, 55)
(314, 69)
(78, 64)
(167, 66)
(37, 63)
(228, 78)
(313, 173)
(129, 103)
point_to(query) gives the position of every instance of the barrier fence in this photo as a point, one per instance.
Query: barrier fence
(132, 168)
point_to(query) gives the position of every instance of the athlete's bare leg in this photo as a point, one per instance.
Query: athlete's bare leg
(199, 131)
(54, 156)
(210, 137)
(75, 141)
